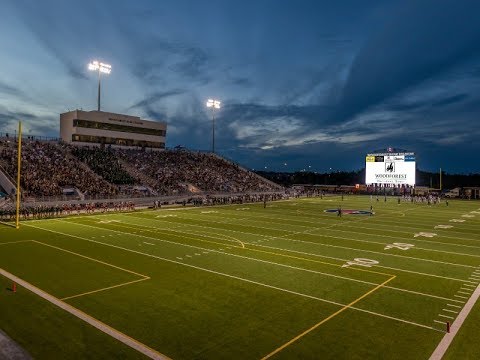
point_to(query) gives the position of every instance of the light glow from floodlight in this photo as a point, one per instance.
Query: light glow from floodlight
(100, 67)
(213, 103)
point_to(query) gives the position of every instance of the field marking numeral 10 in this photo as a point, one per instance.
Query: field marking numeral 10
(397, 245)
(361, 262)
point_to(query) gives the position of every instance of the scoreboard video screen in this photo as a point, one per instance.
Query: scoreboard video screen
(390, 168)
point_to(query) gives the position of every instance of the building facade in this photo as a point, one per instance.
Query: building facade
(99, 128)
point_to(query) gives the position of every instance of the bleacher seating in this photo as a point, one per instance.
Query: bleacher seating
(50, 167)
(173, 172)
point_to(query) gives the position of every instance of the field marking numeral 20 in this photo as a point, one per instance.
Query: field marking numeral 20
(397, 245)
(361, 262)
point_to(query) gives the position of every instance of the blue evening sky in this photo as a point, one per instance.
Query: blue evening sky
(302, 83)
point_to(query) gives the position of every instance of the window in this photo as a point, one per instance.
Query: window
(117, 127)
(117, 141)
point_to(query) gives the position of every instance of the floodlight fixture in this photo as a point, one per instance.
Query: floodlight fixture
(214, 104)
(101, 68)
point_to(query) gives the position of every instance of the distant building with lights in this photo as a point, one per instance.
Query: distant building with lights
(99, 128)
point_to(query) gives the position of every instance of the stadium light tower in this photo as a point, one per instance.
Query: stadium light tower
(101, 68)
(214, 104)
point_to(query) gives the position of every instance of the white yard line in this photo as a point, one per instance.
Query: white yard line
(239, 278)
(329, 245)
(303, 253)
(446, 316)
(452, 311)
(221, 251)
(457, 306)
(442, 347)
(308, 231)
(254, 218)
(15, 242)
(272, 247)
(334, 246)
(127, 340)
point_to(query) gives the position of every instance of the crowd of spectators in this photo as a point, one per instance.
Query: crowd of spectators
(175, 172)
(48, 168)
(105, 164)
(236, 199)
(49, 211)
(52, 169)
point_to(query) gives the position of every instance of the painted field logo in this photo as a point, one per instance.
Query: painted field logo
(348, 212)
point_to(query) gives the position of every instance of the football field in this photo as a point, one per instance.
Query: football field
(292, 280)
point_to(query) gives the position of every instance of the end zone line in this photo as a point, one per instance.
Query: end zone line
(326, 319)
(125, 339)
(442, 347)
(103, 289)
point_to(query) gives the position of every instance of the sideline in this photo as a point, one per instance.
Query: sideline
(127, 340)
(444, 344)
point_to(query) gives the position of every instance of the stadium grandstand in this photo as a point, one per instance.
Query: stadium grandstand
(55, 172)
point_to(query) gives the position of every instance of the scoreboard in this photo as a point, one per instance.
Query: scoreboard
(390, 168)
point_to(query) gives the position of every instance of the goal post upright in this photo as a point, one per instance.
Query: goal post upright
(19, 164)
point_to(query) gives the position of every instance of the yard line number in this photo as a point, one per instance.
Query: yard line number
(398, 245)
(361, 262)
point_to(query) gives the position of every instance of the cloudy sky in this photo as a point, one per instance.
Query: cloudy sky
(302, 83)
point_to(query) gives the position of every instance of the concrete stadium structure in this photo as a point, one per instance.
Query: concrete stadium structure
(99, 128)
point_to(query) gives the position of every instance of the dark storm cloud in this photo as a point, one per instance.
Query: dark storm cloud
(11, 90)
(13, 116)
(49, 30)
(9, 122)
(298, 81)
(242, 81)
(155, 97)
(421, 39)
(253, 111)
(186, 61)
(450, 100)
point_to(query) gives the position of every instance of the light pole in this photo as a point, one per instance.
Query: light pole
(214, 104)
(101, 68)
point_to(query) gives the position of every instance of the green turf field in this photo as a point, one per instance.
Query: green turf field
(244, 282)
